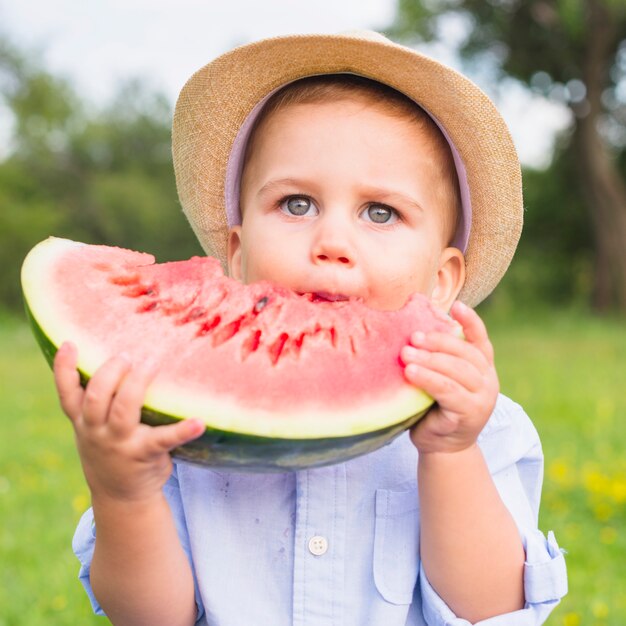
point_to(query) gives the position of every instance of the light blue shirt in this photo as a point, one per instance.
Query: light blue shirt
(339, 545)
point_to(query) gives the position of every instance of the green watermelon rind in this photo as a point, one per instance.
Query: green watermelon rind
(253, 453)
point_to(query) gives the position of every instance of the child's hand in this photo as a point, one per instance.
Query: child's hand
(122, 458)
(460, 375)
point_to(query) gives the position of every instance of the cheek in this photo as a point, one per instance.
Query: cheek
(260, 267)
(267, 258)
(423, 277)
(255, 248)
(399, 278)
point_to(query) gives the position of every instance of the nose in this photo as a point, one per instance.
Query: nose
(332, 255)
(332, 244)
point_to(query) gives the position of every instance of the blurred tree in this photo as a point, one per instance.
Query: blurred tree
(101, 176)
(43, 107)
(573, 51)
(554, 262)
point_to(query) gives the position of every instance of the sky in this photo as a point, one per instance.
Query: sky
(97, 43)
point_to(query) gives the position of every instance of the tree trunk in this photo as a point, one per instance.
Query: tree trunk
(605, 196)
(602, 184)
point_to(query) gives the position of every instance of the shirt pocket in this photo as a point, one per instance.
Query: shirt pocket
(396, 544)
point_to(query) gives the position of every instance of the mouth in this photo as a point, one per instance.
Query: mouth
(324, 296)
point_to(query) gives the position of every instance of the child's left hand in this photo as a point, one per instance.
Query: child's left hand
(460, 375)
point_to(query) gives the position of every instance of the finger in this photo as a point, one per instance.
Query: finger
(436, 385)
(474, 328)
(67, 380)
(451, 346)
(125, 410)
(166, 438)
(101, 389)
(463, 371)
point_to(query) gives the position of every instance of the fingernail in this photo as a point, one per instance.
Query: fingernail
(408, 353)
(196, 426)
(67, 351)
(411, 369)
(418, 337)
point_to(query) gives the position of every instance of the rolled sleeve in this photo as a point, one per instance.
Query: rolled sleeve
(545, 575)
(545, 583)
(83, 545)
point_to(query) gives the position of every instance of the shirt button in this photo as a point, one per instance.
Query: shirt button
(318, 545)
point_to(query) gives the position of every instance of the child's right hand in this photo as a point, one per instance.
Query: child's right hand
(123, 459)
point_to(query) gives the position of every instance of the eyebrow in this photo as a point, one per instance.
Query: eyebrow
(380, 194)
(391, 197)
(281, 183)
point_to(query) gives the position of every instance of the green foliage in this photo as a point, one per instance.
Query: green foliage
(96, 176)
(525, 37)
(554, 261)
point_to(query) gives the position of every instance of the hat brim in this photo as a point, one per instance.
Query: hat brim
(217, 99)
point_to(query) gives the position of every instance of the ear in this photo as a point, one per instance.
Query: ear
(235, 268)
(449, 280)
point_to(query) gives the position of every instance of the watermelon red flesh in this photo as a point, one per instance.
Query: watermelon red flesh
(255, 362)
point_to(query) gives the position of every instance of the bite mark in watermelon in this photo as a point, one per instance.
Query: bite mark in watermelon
(283, 381)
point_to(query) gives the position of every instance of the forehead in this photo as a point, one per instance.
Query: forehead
(340, 121)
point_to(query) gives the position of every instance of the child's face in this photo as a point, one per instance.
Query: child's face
(338, 199)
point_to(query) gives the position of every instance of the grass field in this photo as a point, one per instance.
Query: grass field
(568, 371)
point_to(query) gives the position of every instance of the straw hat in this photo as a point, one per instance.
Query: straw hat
(218, 104)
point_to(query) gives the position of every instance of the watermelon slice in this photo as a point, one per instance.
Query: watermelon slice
(282, 380)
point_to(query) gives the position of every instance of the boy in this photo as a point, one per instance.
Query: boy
(298, 161)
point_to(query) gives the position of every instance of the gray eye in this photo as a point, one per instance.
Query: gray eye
(298, 205)
(379, 213)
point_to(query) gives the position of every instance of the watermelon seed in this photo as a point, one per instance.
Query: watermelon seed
(194, 314)
(260, 305)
